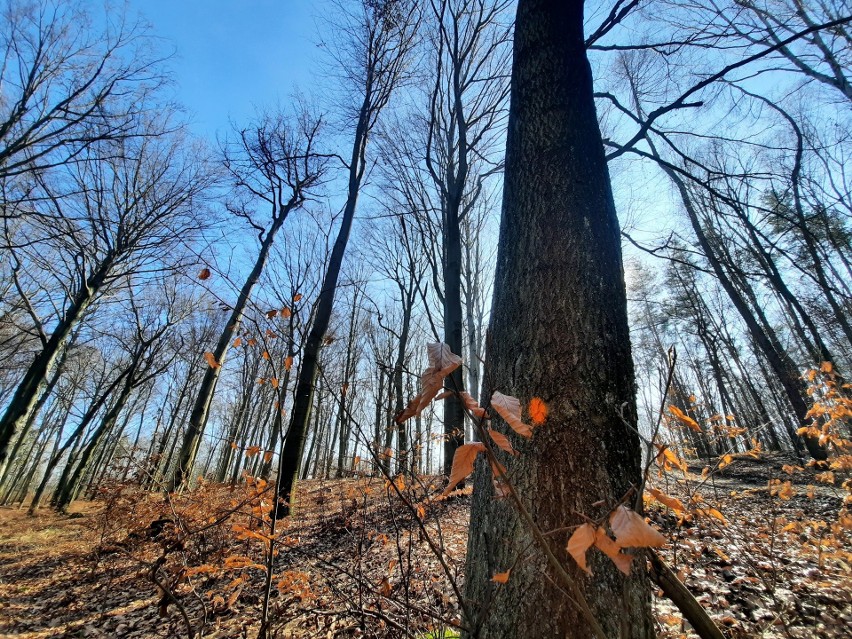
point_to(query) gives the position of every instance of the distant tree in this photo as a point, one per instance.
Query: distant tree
(379, 38)
(123, 211)
(274, 166)
(68, 84)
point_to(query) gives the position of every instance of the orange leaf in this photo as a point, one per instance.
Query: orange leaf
(712, 512)
(233, 445)
(470, 403)
(251, 451)
(265, 354)
(582, 539)
(252, 341)
(297, 297)
(631, 530)
(442, 362)
(271, 314)
(613, 551)
(684, 419)
(286, 312)
(675, 504)
(237, 342)
(274, 382)
(538, 411)
(288, 362)
(501, 577)
(725, 461)
(463, 463)
(267, 456)
(211, 361)
(204, 274)
(502, 441)
(509, 408)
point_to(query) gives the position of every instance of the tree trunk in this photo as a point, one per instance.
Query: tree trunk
(27, 393)
(778, 360)
(201, 408)
(291, 453)
(558, 331)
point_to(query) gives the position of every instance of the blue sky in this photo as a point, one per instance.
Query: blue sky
(231, 55)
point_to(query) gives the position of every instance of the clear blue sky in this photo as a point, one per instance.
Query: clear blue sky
(231, 55)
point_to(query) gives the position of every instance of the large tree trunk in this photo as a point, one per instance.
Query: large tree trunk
(558, 331)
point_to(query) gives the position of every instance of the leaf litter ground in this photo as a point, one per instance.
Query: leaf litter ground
(356, 561)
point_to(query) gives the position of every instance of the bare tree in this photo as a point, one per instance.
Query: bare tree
(134, 203)
(68, 84)
(381, 37)
(275, 164)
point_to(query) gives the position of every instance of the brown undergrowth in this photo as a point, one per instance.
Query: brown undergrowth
(362, 558)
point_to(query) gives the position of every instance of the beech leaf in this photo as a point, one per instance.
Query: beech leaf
(442, 359)
(288, 362)
(582, 539)
(675, 504)
(502, 441)
(204, 274)
(470, 403)
(613, 551)
(684, 419)
(631, 530)
(509, 408)
(463, 463)
(211, 360)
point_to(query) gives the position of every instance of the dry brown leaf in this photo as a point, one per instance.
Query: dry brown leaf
(470, 403)
(582, 539)
(613, 551)
(502, 441)
(463, 463)
(204, 274)
(509, 408)
(684, 419)
(631, 530)
(675, 504)
(211, 360)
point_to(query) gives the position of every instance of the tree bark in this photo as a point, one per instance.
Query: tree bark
(558, 331)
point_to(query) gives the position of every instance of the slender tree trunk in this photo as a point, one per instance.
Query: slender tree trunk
(201, 408)
(558, 331)
(31, 418)
(780, 363)
(26, 395)
(69, 489)
(291, 453)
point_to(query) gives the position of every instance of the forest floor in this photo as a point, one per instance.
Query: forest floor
(357, 559)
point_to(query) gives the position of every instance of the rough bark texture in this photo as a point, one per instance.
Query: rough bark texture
(559, 332)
